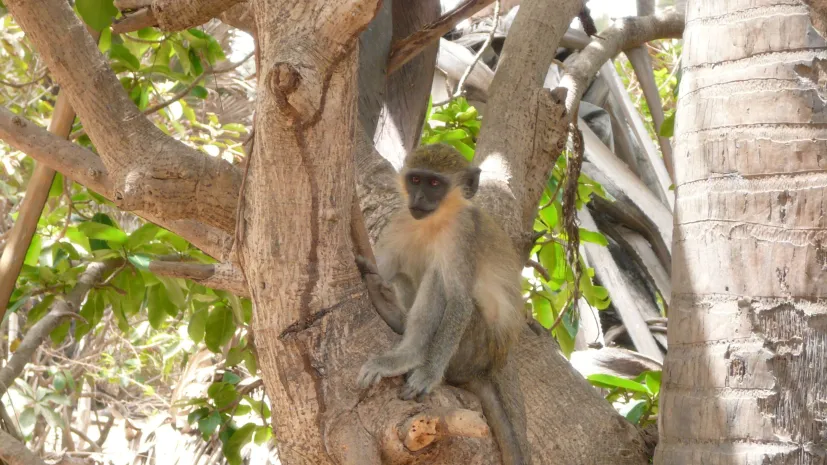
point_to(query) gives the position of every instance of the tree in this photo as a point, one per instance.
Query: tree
(291, 248)
(744, 380)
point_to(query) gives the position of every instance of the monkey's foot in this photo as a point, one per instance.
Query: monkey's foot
(421, 381)
(384, 366)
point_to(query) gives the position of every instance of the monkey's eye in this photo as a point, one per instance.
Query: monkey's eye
(415, 179)
(434, 182)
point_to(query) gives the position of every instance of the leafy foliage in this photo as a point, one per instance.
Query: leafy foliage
(665, 55)
(138, 332)
(548, 289)
(636, 399)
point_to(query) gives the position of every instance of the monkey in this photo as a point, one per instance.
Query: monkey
(447, 278)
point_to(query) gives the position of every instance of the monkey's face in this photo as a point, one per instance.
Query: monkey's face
(426, 189)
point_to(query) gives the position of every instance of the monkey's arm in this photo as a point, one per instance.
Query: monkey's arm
(382, 295)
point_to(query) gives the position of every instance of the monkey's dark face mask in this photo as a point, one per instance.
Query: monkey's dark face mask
(427, 189)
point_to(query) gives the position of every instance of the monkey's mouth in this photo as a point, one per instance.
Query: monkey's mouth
(419, 213)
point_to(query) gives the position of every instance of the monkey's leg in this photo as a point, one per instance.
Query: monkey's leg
(420, 327)
(444, 343)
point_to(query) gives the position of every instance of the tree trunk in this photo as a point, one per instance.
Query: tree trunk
(745, 380)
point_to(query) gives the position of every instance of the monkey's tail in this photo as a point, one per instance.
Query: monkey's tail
(503, 407)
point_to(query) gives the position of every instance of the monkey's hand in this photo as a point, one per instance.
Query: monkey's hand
(366, 266)
(382, 295)
(386, 366)
(421, 381)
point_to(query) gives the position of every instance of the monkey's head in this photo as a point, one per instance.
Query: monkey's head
(434, 173)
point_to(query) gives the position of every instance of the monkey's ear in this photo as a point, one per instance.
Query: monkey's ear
(471, 181)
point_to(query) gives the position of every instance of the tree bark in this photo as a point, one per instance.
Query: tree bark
(745, 378)
(313, 322)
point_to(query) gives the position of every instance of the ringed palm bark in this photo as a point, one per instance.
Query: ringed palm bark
(313, 323)
(745, 380)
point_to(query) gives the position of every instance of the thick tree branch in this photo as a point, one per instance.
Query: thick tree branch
(170, 15)
(62, 308)
(294, 228)
(56, 152)
(524, 128)
(85, 167)
(223, 276)
(168, 179)
(210, 71)
(623, 34)
(13, 452)
(642, 64)
(37, 192)
(406, 49)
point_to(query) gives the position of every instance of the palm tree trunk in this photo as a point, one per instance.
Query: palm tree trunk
(745, 380)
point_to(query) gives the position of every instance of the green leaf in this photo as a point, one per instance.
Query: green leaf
(611, 382)
(234, 356)
(105, 41)
(242, 410)
(176, 295)
(140, 261)
(197, 325)
(240, 438)
(653, 381)
(200, 92)
(259, 407)
(27, 420)
(250, 362)
(463, 148)
(197, 69)
(231, 378)
(59, 334)
(132, 282)
(59, 381)
(98, 14)
(37, 312)
(57, 399)
(183, 56)
(57, 186)
(234, 127)
(667, 129)
(220, 328)
(155, 306)
(542, 311)
(121, 54)
(223, 394)
(593, 237)
(92, 312)
(209, 424)
(636, 412)
(33, 253)
(141, 235)
(549, 216)
(162, 55)
(95, 230)
(262, 435)
(197, 414)
(52, 418)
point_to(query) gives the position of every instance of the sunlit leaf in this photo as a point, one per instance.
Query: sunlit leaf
(98, 14)
(220, 328)
(240, 438)
(611, 382)
(262, 435)
(33, 252)
(95, 230)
